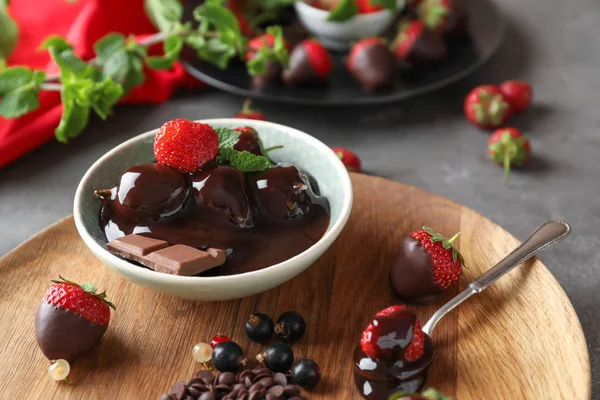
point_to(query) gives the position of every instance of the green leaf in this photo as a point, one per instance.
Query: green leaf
(105, 96)
(345, 10)
(70, 65)
(172, 47)
(274, 4)
(227, 137)
(280, 50)
(196, 41)
(9, 31)
(19, 91)
(135, 76)
(258, 64)
(56, 41)
(244, 160)
(164, 14)
(121, 60)
(391, 5)
(74, 117)
(216, 52)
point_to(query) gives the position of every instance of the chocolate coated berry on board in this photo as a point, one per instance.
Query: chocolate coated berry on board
(228, 357)
(446, 17)
(71, 319)
(306, 373)
(486, 108)
(416, 45)
(509, 147)
(259, 327)
(290, 326)
(425, 266)
(278, 357)
(310, 63)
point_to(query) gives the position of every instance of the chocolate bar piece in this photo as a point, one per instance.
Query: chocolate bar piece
(162, 257)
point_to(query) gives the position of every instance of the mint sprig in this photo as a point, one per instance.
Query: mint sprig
(9, 32)
(242, 160)
(278, 53)
(19, 91)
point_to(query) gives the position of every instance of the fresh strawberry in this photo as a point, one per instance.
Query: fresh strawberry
(310, 62)
(349, 159)
(327, 5)
(517, 93)
(367, 6)
(486, 108)
(248, 113)
(446, 260)
(185, 145)
(71, 319)
(391, 323)
(416, 45)
(371, 63)
(446, 17)
(509, 147)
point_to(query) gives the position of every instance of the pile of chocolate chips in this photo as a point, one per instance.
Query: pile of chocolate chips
(257, 384)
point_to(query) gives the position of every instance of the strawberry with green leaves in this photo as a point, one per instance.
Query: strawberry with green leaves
(509, 147)
(348, 158)
(446, 17)
(71, 319)
(486, 107)
(248, 113)
(416, 45)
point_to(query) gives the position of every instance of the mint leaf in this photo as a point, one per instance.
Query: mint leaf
(345, 10)
(164, 14)
(195, 41)
(70, 65)
(280, 51)
(243, 160)
(227, 137)
(391, 5)
(258, 64)
(105, 96)
(74, 117)
(274, 4)
(121, 60)
(19, 91)
(9, 31)
(217, 53)
(172, 47)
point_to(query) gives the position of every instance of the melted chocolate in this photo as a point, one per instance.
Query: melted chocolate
(62, 334)
(373, 67)
(248, 141)
(218, 211)
(411, 275)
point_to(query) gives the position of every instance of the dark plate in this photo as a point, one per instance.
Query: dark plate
(487, 27)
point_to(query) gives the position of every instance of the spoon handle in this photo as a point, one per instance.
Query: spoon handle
(546, 235)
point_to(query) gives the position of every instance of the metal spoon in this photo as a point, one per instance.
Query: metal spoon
(546, 235)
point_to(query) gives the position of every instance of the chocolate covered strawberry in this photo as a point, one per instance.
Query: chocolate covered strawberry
(266, 43)
(71, 320)
(371, 63)
(248, 113)
(517, 94)
(416, 45)
(486, 108)
(509, 147)
(446, 17)
(349, 159)
(310, 63)
(394, 334)
(185, 145)
(425, 266)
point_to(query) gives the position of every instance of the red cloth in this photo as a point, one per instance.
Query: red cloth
(82, 23)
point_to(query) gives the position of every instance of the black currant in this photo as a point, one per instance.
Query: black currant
(290, 326)
(259, 327)
(306, 373)
(228, 357)
(278, 357)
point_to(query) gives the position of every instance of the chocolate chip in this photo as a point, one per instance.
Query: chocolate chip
(257, 386)
(244, 374)
(291, 390)
(179, 390)
(276, 390)
(263, 371)
(226, 378)
(208, 381)
(202, 374)
(194, 380)
(189, 397)
(243, 396)
(194, 392)
(280, 379)
(295, 398)
(238, 386)
(207, 396)
(222, 387)
(267, 382)
(167, 397)
(200, 386)
(247, 381)
(256, 395)
(261, 376)
(271, 396)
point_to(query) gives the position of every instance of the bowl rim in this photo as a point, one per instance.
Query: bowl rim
(149, 274)
(305, 7)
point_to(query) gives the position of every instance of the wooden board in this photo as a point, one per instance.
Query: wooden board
(519, 339)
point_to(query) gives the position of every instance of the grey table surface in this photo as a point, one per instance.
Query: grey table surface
(425, 142)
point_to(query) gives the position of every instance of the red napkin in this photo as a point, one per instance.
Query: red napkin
(82, 23)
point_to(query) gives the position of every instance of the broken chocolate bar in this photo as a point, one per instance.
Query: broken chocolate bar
(162, 257)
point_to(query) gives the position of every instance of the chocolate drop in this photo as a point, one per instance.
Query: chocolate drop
(411, 275)
(60, 333)
(373, 67)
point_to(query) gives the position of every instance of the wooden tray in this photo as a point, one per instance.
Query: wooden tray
(519, 339)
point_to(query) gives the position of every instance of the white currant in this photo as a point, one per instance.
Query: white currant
(59, 370)
(202, 352)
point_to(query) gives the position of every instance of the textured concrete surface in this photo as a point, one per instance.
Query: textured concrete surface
(426, 142)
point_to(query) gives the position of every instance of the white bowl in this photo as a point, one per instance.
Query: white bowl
(301, 149)
(341, 35)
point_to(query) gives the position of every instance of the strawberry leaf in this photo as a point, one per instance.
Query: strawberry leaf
(243, 160)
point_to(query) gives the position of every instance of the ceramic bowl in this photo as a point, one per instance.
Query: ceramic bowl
(341, 35)
(301, 149)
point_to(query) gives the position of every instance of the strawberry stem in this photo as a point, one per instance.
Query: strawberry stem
(273, 148)
(453, 238)
(246, 107)
(68, 381)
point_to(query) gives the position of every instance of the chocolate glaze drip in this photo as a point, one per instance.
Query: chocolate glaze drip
(248, 141)
(374, 67)
(411, 275)
(229, 201)
(61, 333)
